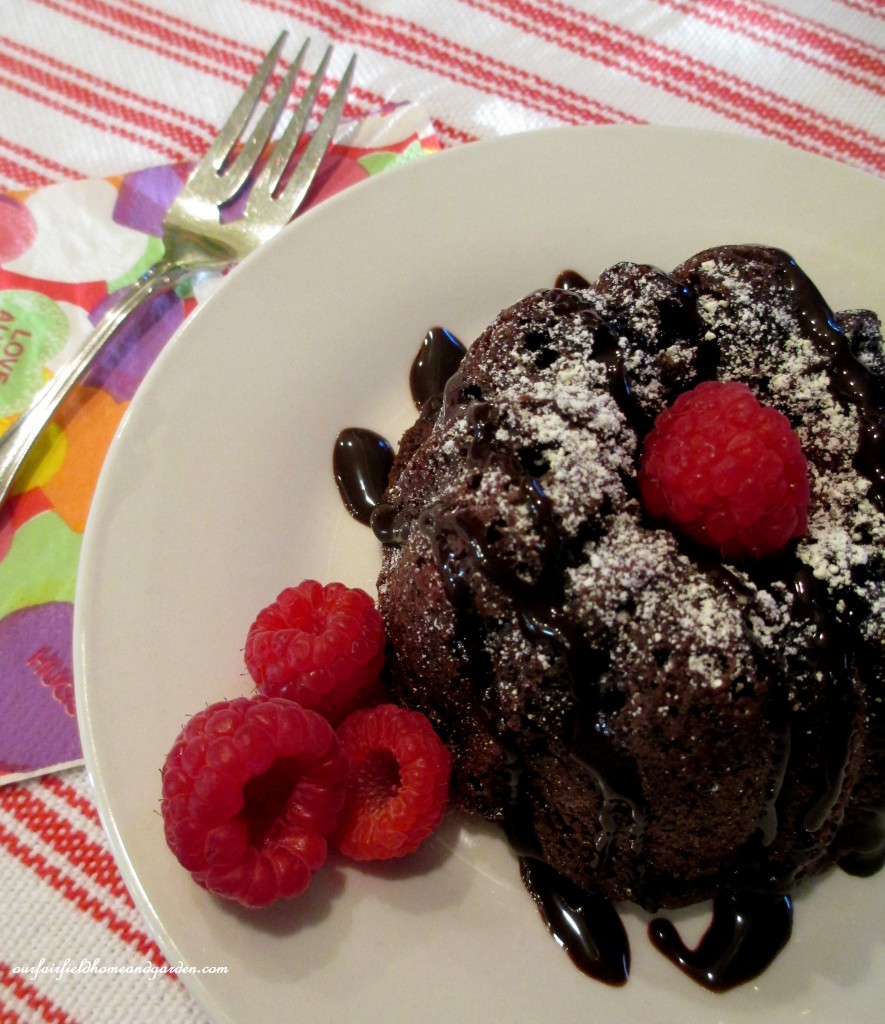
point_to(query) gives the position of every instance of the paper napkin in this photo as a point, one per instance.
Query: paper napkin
(65, 251)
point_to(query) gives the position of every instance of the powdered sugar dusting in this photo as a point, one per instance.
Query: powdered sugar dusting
(764, 344)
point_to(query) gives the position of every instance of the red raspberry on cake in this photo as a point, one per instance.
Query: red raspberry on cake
(251, 789)
(726, 471)
(399, 782)
(321, 646)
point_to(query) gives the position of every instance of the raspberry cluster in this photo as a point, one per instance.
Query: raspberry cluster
(256, 788)
(726, 471)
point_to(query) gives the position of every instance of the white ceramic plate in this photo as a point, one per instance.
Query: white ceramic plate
(218, 492)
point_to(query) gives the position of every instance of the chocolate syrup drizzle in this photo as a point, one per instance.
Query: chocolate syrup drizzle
(850, 380)
(751, 922)
(361, 462)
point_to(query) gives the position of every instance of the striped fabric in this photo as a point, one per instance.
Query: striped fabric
(97, 87)
(125, 83)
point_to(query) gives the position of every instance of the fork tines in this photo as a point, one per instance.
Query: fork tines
(230, 163)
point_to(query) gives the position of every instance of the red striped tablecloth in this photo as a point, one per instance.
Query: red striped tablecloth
(98, 87)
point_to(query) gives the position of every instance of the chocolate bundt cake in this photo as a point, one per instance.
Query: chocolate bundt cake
(649, 720)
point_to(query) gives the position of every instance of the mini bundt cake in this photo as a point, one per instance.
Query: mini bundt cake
(655, 722)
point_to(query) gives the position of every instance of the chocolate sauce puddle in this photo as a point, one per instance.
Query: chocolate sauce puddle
(587, 927)
(438, 358)
(361, 462)
(747, 932)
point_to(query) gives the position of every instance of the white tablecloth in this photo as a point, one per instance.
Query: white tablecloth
(100, 87)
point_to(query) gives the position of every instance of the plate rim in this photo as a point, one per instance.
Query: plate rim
(456, 157)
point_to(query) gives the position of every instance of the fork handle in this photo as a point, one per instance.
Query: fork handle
(20, 438)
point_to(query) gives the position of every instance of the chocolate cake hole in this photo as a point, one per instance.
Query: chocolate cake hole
(661, 655)
(678, 318)
(742, 687)
(862, 572)
(539, 343)
(591, 531)
(475, 784)
(534, 341)
(533, 461)
(612, 701)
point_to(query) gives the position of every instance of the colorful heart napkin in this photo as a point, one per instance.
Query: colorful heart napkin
(65, 252)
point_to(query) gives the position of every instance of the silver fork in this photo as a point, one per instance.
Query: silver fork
(194, 237)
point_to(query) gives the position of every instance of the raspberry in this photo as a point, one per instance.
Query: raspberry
(726, 471)
(321, 646)
(399, 782)
(251, 789)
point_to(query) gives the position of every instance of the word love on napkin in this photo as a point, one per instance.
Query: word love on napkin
(65, 251)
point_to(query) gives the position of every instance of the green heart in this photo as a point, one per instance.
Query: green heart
(33, 328)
